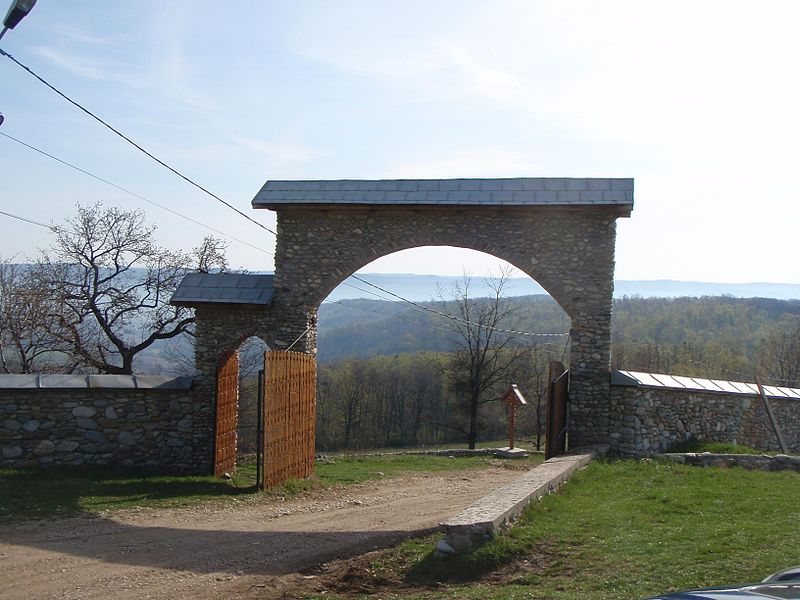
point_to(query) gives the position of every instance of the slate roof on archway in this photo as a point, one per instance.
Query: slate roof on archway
(520, 191)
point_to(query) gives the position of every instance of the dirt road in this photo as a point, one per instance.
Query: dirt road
(249, 549)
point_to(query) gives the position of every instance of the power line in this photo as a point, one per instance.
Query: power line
(198, 186)
(131, 142)
(407, 320)
(134, 194)
(31, 221)
(452, 317)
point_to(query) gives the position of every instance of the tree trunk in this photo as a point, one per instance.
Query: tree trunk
(473, 423)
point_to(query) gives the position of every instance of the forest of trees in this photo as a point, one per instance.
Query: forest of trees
(384, 365)
(716, 336)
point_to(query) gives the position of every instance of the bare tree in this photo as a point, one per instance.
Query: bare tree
(779, 353)
(486, 349)
(210, 255)
(112, 284)
(26, 342)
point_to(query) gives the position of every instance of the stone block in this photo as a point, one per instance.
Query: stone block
(12, 452)
(63, 381)
(44, 448)
(67, 446)
(94, 436)
(126, 438)
(478, 522)
(84, 411)
(31, 425)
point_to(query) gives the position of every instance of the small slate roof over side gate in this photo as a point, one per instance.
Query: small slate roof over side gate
(522, 191)
(224, 288)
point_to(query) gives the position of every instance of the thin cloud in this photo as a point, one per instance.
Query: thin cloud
(86, 68)
(277, 151)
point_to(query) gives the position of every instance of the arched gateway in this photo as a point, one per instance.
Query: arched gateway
(560, 231)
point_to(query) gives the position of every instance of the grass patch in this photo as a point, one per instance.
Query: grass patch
(67, 491)
(695, 445)
(33, 493)
(622, 530)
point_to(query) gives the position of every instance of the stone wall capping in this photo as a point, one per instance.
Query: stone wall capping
(12, 382)
(479, 521)
(762, 462)
(112, 381)
(55, 382)
(63, 381)
(679, 382)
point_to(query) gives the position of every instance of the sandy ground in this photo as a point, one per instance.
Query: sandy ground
(242, 550)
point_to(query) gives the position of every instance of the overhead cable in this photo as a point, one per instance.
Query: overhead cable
(453, 317)
(31, 221)
(407, 320)
(134, 194)
(131, 142)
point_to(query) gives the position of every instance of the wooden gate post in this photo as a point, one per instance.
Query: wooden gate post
(556, 442)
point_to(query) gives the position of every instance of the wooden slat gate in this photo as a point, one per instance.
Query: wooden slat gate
(290, 416)
(557, 399)
(227, 416)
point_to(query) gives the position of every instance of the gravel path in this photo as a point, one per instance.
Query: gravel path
(244, 549)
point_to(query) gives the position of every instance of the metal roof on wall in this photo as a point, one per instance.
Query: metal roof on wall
(520, 191)
(224, 288)
(679, 382)
(118, 382)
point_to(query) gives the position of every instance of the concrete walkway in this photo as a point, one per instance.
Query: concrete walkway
(481, 520)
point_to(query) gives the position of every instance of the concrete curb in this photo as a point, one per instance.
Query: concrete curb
(763, 462)
(478, 522)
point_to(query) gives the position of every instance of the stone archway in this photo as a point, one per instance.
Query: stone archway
(559, 231)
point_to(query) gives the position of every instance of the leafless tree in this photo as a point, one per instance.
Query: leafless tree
(486, 349)
(26, 342)
(112, 284)
(779, 353)
(210, 255)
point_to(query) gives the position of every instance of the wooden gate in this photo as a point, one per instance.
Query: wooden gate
(290, 416)
(227, 416)
(557, 398)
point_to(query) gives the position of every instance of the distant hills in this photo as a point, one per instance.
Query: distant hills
(423, 288)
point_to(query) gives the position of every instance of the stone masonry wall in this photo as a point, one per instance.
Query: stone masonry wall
(150, 428)
(646, 421)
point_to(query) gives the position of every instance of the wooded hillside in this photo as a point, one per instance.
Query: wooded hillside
(721, 337)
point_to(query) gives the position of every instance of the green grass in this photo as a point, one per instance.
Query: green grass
(66, 491)
(624, 530)
(695, 445)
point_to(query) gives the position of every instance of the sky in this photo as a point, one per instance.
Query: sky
(697, 101)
